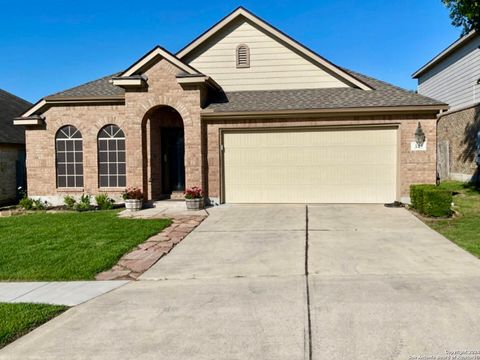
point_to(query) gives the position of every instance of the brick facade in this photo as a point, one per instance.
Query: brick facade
(133, 117)
(143, 108)
(457, 136)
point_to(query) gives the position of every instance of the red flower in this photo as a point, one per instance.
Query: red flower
(193, 193)
(131, 193)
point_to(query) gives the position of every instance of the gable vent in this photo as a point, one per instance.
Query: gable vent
(243, 56)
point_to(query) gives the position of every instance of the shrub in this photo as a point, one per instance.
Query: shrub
(69, 202)
(416, 195)
(437, 202)
(39, 205)
(84, 204)
(104, 202)
(26, 203)
(32, 204)
(132, 193)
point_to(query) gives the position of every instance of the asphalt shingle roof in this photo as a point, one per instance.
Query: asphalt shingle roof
(383, 95)
(11, 106)
(99, 87)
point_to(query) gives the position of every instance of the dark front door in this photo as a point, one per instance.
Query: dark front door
(173, 160)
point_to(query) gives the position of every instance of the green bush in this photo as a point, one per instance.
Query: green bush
(26, 203)
(69, 202)
(84, 204)
(104, 202)
(416, 195)
(39, 205)
(437, 202)
(32, 204)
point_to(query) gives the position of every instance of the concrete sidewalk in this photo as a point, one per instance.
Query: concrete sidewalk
(68, 293)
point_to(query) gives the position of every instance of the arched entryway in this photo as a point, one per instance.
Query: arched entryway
(164, 153)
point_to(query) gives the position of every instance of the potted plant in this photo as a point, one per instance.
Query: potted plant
(133, 197)
(194, 198)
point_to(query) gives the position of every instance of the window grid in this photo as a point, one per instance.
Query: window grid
(69, 151)
(111, 157)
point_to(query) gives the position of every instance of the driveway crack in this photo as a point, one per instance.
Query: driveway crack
(307, 286)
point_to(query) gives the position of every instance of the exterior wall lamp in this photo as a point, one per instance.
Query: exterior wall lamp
(419, 136)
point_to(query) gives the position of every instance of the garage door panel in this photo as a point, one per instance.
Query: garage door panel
(303, 156)
(333, 166)
(301, 176)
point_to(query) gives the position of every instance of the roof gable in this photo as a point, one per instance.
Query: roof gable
(156, 54)
(294, 53)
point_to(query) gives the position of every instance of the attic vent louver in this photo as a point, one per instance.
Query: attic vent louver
(243, 56)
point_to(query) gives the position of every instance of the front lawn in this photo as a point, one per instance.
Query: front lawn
(18, 319)
(463, 230)
(68, 246)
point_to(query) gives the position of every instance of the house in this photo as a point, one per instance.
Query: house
(12, 147)
(244, 111)
(453, 76)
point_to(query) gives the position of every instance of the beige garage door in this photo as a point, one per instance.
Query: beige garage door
(310, 166)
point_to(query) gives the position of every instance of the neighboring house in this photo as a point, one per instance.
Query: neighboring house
(12, 147)
(453, 77)
(245, 112)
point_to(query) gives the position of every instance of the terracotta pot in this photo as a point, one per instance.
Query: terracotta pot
(133, 204)
(195, 204)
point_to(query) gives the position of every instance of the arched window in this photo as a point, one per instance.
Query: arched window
(243, 56)
(69, 159)
(111, 157)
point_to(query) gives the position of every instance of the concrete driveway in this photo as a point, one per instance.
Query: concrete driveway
(380, 285)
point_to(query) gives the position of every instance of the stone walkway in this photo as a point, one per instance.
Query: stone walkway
(136, 262)
(68, 293)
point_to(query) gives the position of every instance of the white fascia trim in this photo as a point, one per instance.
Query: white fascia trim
(35, 108)
(192, 79)
(154, 53)
(279, 35)
(128, 82)
(26, 122)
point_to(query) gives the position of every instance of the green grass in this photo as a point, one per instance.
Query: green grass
(18, 319)
(68, 246)
(463, 230)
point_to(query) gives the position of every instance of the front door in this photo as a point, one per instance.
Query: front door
(173, 160)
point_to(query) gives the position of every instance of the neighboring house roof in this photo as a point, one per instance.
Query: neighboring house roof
(452, 48)
(242, 12)
(383, 95)
(10, 107)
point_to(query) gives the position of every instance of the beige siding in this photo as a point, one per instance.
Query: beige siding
(311, 166)
(272, 64)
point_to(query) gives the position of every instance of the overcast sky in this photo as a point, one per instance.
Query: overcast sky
(48, 46)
